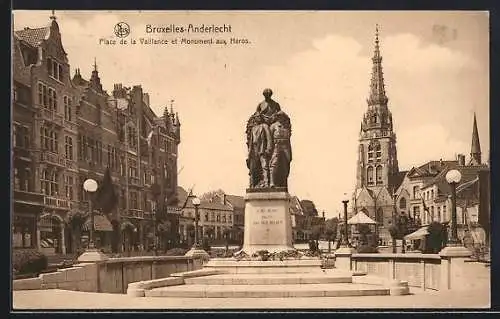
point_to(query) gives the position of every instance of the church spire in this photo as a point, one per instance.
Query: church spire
(475, 150)
(95, 81)
(377, 87)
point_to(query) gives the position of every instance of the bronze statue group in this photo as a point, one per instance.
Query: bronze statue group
(268, 140)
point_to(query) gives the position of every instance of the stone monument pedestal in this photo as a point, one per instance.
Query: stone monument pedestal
(268, 224)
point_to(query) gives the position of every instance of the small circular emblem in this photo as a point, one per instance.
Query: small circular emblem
(122, 29)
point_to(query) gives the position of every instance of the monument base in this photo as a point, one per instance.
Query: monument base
(268, 225)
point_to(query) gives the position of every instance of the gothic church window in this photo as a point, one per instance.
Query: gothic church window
(379, 151)
(402, 203)
(370, 175)
(379, 175)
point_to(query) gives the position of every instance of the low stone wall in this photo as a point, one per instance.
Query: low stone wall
(419, 270)
(112, 275)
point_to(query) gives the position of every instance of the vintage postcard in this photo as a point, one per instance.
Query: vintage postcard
(216, 160)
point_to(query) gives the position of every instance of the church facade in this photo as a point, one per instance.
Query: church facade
(377, 172)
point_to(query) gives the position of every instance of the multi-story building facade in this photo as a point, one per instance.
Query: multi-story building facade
(69, 129)
(378, 174)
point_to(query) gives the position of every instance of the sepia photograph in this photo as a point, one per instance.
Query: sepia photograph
(250, 160)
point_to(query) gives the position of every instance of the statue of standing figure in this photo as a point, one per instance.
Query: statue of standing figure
(269, 148)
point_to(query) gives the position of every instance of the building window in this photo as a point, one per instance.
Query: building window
(49, 139)
(54, 69)
(445, 213)
(379, 151)
(217, 218)
(47, 96)
(21, 136)
(416, 191)
(370, 152)
(229, 219)
(206, 217)
(402, 203)
(439, 213)
(432, 213)
(68, 181)
(132, 168)
(49, 183)
(379, 175)
(432, 194)
(369, 174)
(69, 147)
(133, 200)
(224, 218)
(67, 108)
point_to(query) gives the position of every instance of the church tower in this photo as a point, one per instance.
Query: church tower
(377, 155)
(475, 150)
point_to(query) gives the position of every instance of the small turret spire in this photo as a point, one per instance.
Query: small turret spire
(475, 150)
(53, 15)
(95, 64)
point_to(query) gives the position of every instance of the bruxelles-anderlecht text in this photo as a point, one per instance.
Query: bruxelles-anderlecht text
(190, 28)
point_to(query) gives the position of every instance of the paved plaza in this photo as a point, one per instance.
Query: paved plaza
(476, 295)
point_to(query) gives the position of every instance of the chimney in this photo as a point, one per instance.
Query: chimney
(323, 214)
(441, 162)
(224, 199)
(461, 159)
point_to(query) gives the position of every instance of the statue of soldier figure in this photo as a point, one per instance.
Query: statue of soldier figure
(269, 148)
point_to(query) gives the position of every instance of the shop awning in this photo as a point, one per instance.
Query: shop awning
(101, 223)
(418, 234)
(360, 218)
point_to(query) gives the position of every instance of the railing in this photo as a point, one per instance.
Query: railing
(135, 213)
(57, 202)
(70, 125)
(71, 164)
(35, 198)
(51, 115)
(419, 270)
(52, 158)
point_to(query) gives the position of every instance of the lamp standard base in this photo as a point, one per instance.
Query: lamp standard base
(91, 255)
(197, 253)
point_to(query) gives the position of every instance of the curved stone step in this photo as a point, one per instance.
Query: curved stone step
(270, 279)
(268, 291)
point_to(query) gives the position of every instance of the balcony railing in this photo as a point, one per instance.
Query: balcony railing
(135, 213)
(30, 197)
(50, 115)
(70, 125)
(52, 158)
(57, 202)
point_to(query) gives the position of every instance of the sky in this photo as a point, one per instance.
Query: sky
(318, 64)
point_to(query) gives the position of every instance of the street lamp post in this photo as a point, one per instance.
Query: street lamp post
(453, 177)
(91, 254)
(196, 204)
(345, 241)
(197, 250)
(90, 186)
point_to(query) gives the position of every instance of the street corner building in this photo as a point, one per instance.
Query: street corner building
(383, 192)
(68, 128)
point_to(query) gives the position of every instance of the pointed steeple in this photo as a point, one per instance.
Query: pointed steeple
(377, 87)
(53, 15)
(95, 81)
(475, 150)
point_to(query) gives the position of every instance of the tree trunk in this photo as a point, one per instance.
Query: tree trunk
(329, 246)
(394, 249)
(403, 248)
